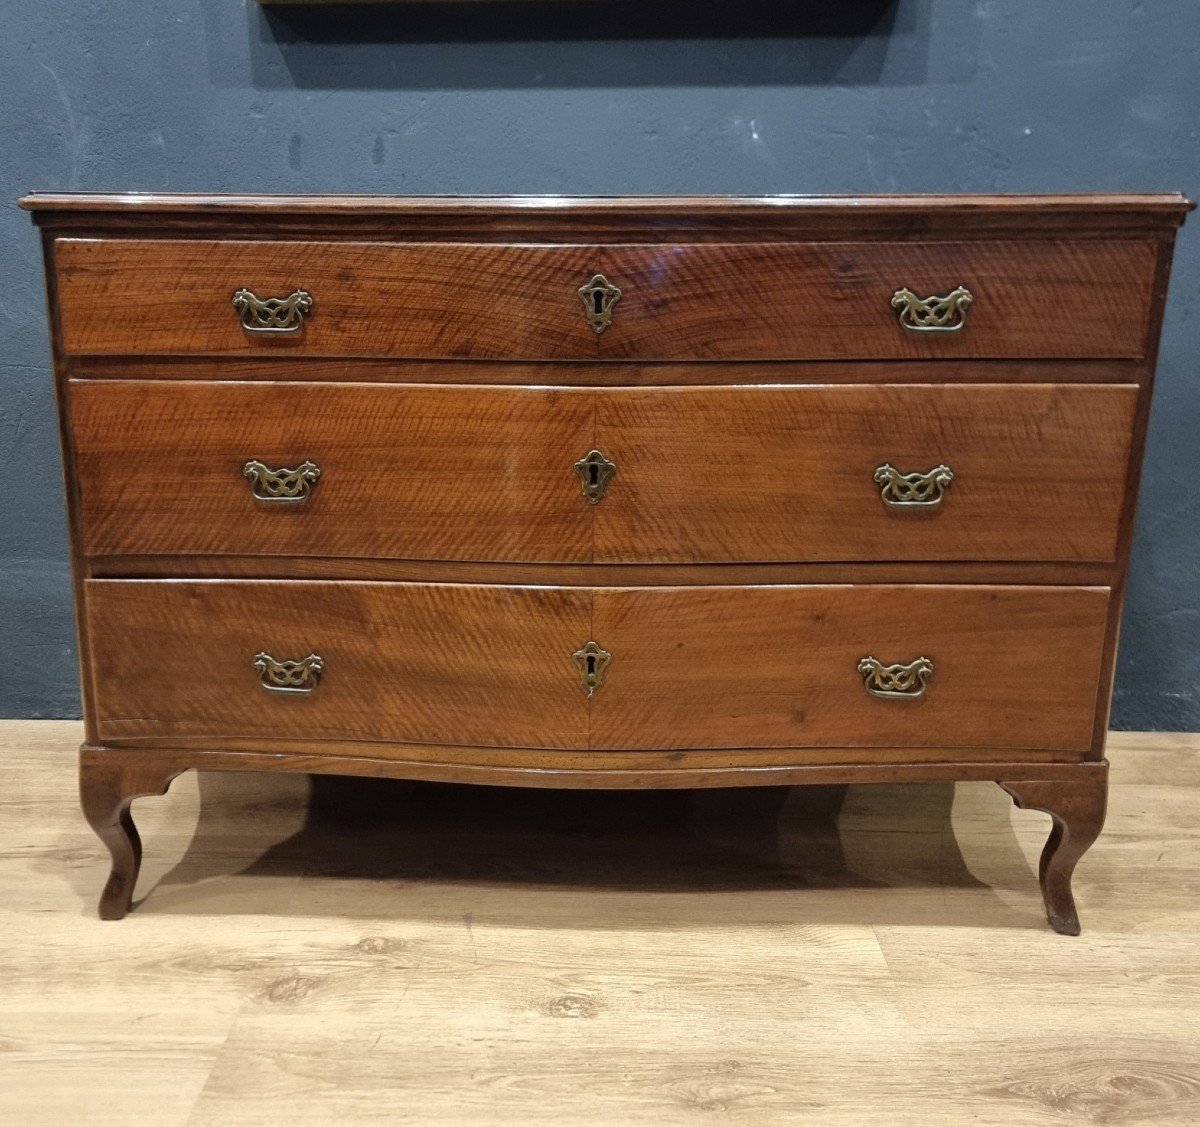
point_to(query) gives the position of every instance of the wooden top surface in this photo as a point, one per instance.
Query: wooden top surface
(793, 213)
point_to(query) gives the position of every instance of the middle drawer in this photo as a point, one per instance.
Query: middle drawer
(675, 475)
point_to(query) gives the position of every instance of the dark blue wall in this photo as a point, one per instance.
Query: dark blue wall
(651, 96)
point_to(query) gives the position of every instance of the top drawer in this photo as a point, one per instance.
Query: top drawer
(737, 301)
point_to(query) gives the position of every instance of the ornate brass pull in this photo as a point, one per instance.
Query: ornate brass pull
(592, 660)
(933, 314)
(598, 297)
(899, 682)
(595, 472)
(286, 487)
(273, 314)
(913, 490)
(289, 676)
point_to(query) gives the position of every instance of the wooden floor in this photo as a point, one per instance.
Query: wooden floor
(361, 952)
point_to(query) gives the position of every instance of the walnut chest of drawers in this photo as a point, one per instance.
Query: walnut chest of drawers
(604, 492)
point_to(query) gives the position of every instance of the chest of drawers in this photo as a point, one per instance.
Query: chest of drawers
(610, 493)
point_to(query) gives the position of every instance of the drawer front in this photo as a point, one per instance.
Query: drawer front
(703, 668)
(691, 302)
(836, 300)
(403, 662)
(1036, 472)
(368, 299)
(703, 475)
(1011, 667)
(396, 472)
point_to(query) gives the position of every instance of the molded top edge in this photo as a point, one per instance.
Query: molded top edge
(1163, 204)
(604, 219)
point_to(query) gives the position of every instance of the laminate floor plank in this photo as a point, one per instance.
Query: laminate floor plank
(345, 951)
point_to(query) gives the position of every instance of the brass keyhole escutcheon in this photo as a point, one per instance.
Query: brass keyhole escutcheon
(593, 660)
(598, 297)
(595, 471)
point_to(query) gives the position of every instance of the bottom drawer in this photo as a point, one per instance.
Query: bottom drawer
(893, 666)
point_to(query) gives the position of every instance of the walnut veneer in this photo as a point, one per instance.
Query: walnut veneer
(604, 492)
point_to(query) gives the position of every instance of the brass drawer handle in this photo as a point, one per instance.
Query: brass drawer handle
(282, 486)
(913, 490)
(592, 660)
(595, 472)
(273, 314)
(895, 682)
(289, 676)
(598, 297)
(933, 314)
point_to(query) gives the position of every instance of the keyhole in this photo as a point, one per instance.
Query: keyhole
(591, 666)
(593, 475)
(598, 301)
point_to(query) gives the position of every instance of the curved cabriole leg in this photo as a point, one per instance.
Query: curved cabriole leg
(1077, 806)
(106, 788)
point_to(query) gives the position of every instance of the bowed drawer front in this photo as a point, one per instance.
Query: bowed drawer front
(604, 493)
(755, 301)
(704, 667)
(692, 475)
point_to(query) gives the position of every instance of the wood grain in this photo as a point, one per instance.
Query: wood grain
(408, 662)
(493, 957)
(785, 474)
(591, 575)
(705, 476)
(369, 299)
(833, 300)
(693, 667)
(596, 769)
(776, 666)
(720, 302)
(585, 373)
(410, 472)
(1141, 426)
(70, 482)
